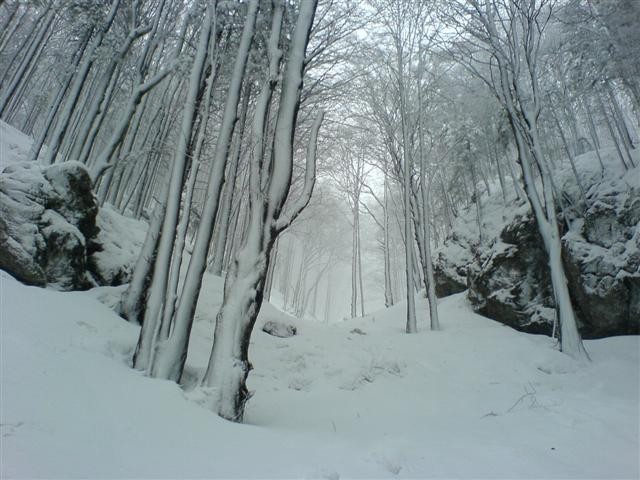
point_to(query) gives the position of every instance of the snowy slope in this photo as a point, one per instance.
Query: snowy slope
(14, 145)
(475, 400)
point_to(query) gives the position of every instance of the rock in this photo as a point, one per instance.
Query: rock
(279, 329)
(508, 277)
(48, 224)
(16, 259)
(357, 331)
(450, 269)
(510, 282)
(602, 261)
(53, 234)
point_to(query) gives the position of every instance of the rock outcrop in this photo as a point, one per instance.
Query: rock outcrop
(49, 233)
(602, 260)
(48, 224)
(508, 276)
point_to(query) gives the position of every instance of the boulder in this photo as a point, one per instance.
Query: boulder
(53, 234)
(279, 329)
(48, 224)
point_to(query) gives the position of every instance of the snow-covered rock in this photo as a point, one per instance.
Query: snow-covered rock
(508, 278)
(48, 224)
(510, 281)
(52, 232)
(279, 329)
(602, 259)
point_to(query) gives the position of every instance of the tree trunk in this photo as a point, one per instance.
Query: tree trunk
(76, 87)
(171, 354)
(151, 328)
(229, 364)
(44, 22)
(224, 222)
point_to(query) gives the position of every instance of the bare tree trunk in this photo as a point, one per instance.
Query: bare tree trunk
(614, 139)
(76, 87)
(572, 161)
(42, 24)
(89, 141)
(388, 289)
(359, 260)
(133, 303)
(224, 222)
(354, 267)
(229, 364)
(170, 355)
(152, 326)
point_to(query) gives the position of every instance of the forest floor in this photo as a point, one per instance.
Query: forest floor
(475, 400)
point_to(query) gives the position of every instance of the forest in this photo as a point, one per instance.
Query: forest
(391, 238)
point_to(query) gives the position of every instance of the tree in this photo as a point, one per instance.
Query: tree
(270, 182)
(510, 33)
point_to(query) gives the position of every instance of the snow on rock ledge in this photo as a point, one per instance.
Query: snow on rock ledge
(508, 278)
(48, 230)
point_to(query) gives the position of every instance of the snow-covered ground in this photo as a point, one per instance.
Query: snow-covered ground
(476, 400)
(14, 145)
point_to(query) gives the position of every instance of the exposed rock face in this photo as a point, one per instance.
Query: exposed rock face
(508, 276)
(49, 232)
(602, 259)
(450, 267)
(510, 281)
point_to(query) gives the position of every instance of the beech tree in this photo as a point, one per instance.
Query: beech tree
(229, 365)
(511, 32)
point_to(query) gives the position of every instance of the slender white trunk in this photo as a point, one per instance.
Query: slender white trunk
(181, 234)
(133, 303)
(224, 222)
(78, 82)
(354, 268)
(171, 354)
(360, 282)
(229, 363)
(45, 20)
(388, 290)
(89, 141)
(149, 335)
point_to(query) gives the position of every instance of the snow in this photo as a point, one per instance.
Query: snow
(474, 400)
(14, 145)
(121, 239)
